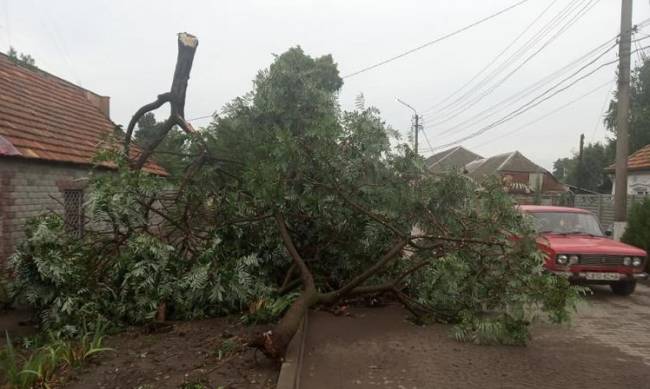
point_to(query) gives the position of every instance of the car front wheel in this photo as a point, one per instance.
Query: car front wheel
(623, 288)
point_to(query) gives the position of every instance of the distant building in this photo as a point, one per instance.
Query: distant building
(50, 130)
(520, 176)
(638, 172)
(451, 159)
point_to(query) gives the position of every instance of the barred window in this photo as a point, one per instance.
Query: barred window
(73, 213)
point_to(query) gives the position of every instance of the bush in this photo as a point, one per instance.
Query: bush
(638, 226)
(69, 282)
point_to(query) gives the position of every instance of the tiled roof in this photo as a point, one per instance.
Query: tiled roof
(47, 118)
(508, 162)
(639, 160)
(455, 158)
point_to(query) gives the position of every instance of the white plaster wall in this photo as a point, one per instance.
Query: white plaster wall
(637, 183)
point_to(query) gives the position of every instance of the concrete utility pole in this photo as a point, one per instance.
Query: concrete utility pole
(416, 123)
(622, 120)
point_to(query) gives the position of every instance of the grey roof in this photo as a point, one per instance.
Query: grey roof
(508, 162)
(454, 158)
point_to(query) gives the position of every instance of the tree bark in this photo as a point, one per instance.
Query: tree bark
(187, 45)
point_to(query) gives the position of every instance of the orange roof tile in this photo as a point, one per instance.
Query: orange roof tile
(639, 160)
(45, 117)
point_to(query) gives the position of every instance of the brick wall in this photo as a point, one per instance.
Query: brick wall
(27, 189)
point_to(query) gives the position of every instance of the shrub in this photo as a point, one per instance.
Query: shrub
(638, 226)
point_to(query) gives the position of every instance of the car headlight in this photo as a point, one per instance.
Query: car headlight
(636, 261)
(627, 261)
(562, 259)
(573, 259)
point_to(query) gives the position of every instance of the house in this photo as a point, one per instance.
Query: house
(50, 130)
(519, 174)
(452, 159)
(638, 172)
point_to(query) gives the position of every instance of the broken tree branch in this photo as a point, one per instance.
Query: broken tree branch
(305, 273)
(187, 45)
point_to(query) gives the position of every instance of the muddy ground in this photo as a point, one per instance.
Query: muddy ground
(607, 346)
(199, 352)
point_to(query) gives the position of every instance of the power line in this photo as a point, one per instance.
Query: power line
(494, 109)
(199, 118)
(544, 116)
(531, 42)
(536, 86)
(459, 110)
(480, 72)
(526, 107)
(427, 44)
(7, 25)
(602, 112)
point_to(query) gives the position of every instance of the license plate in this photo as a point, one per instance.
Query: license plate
(601, 276)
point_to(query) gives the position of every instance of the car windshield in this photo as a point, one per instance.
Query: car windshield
(566, 223)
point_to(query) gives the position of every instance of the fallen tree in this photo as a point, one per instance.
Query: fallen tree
(325, 205)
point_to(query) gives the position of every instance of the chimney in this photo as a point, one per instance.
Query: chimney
(103, 103)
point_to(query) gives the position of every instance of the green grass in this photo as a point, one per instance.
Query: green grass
(40, 367)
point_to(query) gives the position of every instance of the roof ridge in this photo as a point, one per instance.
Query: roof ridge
(512, 153)
(42, 72)
(452, 151)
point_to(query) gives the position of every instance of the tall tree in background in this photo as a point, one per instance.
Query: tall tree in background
(590, 173)
(639, 111)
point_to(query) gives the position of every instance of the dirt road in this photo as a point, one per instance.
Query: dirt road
(607, 346)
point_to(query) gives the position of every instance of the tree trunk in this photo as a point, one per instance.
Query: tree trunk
(274, 342)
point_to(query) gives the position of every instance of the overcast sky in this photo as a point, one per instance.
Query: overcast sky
(126, 50)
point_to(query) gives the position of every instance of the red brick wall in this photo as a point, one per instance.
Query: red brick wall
(27, 189)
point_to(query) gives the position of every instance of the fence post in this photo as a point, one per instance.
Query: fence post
(600, 208)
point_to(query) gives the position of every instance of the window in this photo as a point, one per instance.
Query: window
(566, 223)
(73, 214)
(535, 181)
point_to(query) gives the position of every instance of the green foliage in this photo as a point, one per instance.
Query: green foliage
(125, 276)
(639, 129)
(492, 292)
(41, 367)
(22, 59)
(589, 173)
(268, 310)
(170, 154)
(346, 188)
(229, 347)
(637, 232)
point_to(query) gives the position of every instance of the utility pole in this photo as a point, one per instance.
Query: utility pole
(622, 119)
(417, 129)
(416, 123)
(581, 167)
(582, 146)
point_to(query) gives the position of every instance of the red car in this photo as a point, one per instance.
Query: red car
(576, 248)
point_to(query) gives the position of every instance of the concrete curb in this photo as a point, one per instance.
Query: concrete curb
(292, 366)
